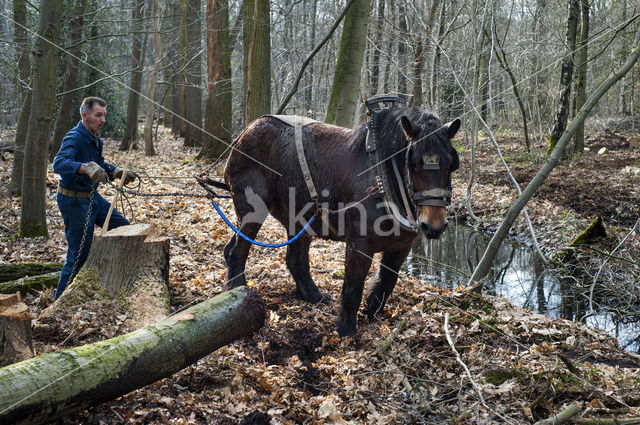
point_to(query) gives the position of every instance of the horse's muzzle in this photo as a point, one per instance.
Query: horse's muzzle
(432, 221)
(432, 233)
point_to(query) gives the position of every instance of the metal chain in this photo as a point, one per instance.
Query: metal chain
(84, 234)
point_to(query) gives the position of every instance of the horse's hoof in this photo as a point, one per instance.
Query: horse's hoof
(375, 306)
(346, 327)
(235, 283)
(313, 296)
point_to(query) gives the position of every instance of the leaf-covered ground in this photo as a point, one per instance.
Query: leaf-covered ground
(401, 369)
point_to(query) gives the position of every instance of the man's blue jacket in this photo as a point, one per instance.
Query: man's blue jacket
(79, 146)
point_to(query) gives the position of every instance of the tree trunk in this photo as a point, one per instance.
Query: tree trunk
(402, 47)
(418, 67)
(17, 168)
(156, 11)
(490, 252)
(127, 263)
(52, 385)
(218, 124)
(33, 221)
(24, 72)
(581, 60)
(70, 81)
(434, 92)
(15, 330)
(130, 138)
(172, 68)
(377, 47)
(566, 75)
(343, 101)
(257, 59)
(192, 94)
(18, 270)
(502, 58)
(21, 41)
(30, 284)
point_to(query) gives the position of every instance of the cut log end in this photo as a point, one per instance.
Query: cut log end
(16, 342)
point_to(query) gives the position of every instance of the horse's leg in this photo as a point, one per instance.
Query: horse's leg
(356, 266)
(298, 264)
(251, 214)
(386, 281)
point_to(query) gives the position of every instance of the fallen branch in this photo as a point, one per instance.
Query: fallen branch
(459, 359)
(562, 417)
(611, 421)
(52, 385)
(31, 284)
(17, 270)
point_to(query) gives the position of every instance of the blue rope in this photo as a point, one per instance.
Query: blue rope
(247, 238)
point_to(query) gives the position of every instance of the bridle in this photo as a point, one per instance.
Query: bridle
(408, 197)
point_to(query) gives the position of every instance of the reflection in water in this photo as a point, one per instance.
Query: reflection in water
(518, 273)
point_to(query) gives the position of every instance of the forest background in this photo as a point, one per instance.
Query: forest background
(517, 73)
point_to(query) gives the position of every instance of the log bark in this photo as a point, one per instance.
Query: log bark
(52, 385)
(30, 284)
(128, 264)
(15, 330)
(17, 270)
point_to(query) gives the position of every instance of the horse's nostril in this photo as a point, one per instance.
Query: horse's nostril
(430, 232)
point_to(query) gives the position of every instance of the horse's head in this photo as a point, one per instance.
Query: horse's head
(430, 161)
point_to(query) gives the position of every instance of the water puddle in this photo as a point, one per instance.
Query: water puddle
(517, 274)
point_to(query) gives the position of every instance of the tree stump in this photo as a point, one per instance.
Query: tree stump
(128, 265)
(15, 330)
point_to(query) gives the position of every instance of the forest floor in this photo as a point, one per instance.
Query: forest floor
(401, 369)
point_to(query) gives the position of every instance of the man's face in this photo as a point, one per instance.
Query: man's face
(94, 119)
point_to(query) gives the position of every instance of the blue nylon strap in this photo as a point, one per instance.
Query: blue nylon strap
(247, 238)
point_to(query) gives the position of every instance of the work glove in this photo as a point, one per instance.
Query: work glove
(96, 173)
(128, 178)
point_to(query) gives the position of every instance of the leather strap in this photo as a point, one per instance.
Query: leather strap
(73, 193)
(302, 159)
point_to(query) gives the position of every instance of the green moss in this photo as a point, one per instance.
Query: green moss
(85, 287)
(338, 274)
(32, 229)
(498, 377)
(593, 232)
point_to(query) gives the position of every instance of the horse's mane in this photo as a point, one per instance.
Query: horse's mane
(390, 135)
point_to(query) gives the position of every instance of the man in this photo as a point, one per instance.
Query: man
(82, 168)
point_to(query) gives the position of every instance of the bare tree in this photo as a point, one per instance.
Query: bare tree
(566, 76)
(257, 59)
(130, 136)
(33, 220)
(156, 11)
(346, 81)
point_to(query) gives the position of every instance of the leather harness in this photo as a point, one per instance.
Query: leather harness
(381, 180)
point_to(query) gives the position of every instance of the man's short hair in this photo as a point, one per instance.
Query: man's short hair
(88, 102)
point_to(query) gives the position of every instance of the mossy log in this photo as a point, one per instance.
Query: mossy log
(593, 233)
(52, 385)
(18, 270)
(30, 284)
(15, 330)
(129, 264)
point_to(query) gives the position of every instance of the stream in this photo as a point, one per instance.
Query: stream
(517, 274)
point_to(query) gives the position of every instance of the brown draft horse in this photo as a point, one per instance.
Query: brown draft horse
(264, 175)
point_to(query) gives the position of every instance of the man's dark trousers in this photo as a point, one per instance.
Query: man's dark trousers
(74, 213)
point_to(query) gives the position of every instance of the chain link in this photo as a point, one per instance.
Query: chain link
(84, 235)
(159, 195)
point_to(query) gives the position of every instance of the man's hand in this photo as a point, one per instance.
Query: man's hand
(128, 178)
(96, 173)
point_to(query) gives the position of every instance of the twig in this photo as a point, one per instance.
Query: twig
(563, 416)
(612, 421)
(459, 359)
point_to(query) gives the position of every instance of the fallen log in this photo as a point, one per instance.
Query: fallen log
(30, 284)
(16, 271)
(15, 330)
(52, 385)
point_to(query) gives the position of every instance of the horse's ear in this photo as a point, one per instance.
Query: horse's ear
(453, 127)
(410, 130)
